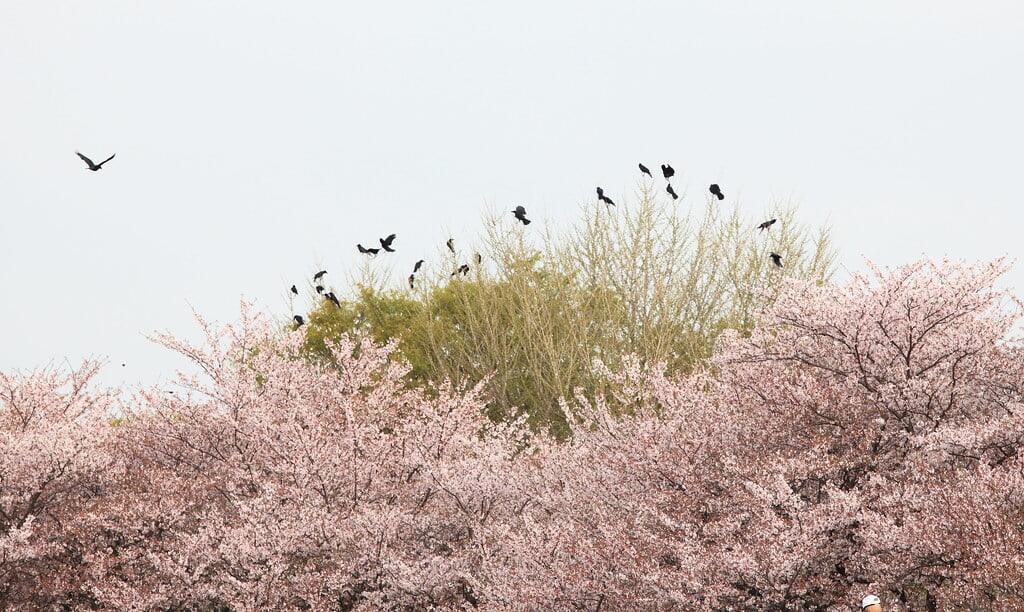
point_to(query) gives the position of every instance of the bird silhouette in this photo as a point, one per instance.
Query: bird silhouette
(600, 194)
(319, 275)
(463, 269)
(479, 259)
(416, 268)
(320, 289)
(299, 320)
(667, 171)
(386, 243)
(331, 297)
(366, 251)
(717, 191)
(645, 170)
(607, 200)
(671, 192)
(766, 225)
(520, 213)
(412, 280)
(92, 166)
(776, 259)
(451, 245)
(295, 290)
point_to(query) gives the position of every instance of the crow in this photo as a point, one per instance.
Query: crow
(520, 213)
(671, 192)
(330, 296)
(451, 245)
(367, 251)
(320, 289)
(644, 169)
(295, 290)
(299, 320)
(716, 190)
(386, 243)
(479, 259)
(319, 275)
(776, 259)
(463, 269)
(766, 225)
(600, 194)
(416, 268)
(667, 171)
(412, 280)
(607, 200)
(92, 166)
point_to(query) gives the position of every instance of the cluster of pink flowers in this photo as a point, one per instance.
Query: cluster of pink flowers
(863, 438)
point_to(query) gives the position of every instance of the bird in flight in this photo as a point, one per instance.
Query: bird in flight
(386, 243)
(776, 259)
(520, 213)
(412, 281)
(366, 251)
(716, 191)
(671, 192)
(416, 268)
(295, 290)
(667, 171)
(451, 245)
(92, 166)
(319, 275)
(645, 170)
(299, 320)
(766, 225)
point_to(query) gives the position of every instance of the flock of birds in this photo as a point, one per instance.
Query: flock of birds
(519, 212)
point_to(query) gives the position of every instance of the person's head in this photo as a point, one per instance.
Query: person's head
(871, 603)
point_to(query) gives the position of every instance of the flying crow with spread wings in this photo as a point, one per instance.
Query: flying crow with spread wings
(92, 166)
(386, 243)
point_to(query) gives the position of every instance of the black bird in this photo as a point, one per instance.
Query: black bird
(766, 225)
(463, 269)
(412, 280)
(319, 275)
(776, 259)
(295, 290)
(330, 296)
(319, 288)
(520, 213)
(299, 320)
(607, 200)
(367, 251)
(451, 245)
(416, 268)
(479, 259)
(600, 194)
(671, 192)
(644, 169)
(386, 243)
(716, 190)
(667, 171)
(92, 166)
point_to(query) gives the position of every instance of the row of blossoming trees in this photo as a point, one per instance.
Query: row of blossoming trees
(863, 438)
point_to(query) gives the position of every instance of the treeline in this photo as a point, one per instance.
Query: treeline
(655, 278)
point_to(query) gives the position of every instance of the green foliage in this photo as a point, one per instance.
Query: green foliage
(657, 279)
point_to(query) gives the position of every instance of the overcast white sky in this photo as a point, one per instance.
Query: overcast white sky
(257, 140)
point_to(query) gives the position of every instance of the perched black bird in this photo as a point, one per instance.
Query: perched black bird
(607, 200)
(520, 213)
(451, 245)
(320, 289)
(295, 290)
(600, 194)
(299, 320)
(716, 190)
(386, 243)
(671, 192)
(319, 275)
(412, 280)
(776, 259)
(92, 166)
(479, 259)
(366, 251)
(667, 171)
(330, 296)
(416, 268)
(644, 169)
(463, 269)
(766, 225)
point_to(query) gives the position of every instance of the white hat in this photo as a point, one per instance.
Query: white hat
(870, 600)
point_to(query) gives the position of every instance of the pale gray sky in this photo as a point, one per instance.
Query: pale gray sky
(256, 140)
